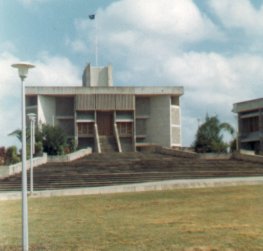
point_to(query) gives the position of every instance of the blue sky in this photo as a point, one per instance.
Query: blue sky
(213, 48)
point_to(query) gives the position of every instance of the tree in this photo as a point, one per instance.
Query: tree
(53, 139)
(18, 134)
(209, 137)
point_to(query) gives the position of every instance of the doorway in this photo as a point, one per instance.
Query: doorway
(105, 123)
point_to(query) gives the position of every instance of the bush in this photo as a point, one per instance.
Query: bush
(54, 140)
(11, 156)
(38, 148)
(72, 145)
(2, 155)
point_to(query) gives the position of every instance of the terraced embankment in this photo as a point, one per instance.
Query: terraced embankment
(115, 168)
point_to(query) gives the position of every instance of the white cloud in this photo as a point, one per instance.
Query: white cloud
(50, 70)
(141, 25)
(180, 20)
(239, 14)
(54, 70)
(78, 45)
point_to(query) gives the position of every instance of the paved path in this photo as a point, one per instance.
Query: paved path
(140, 187)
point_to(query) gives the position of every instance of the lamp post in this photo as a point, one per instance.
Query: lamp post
(22, 71)
(32, 118)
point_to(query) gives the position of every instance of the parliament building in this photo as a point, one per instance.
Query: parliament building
(101, 116)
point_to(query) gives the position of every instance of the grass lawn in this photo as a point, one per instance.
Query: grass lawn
(192, 219)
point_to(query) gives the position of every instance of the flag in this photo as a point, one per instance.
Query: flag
(92, 17)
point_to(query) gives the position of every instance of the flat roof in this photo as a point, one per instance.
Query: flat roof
(248, 105)
(75, 90)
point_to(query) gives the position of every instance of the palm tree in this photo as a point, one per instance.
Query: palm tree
(18, 134)
(209, 137)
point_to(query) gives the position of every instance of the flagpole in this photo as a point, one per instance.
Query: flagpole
(93, 18)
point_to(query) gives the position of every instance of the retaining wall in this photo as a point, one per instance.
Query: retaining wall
(6, 171)
(215, 156)
(71, 156)
(174, 152)
(251, 158)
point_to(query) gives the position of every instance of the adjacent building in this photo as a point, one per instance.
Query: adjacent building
(100, 115)
(250, 124)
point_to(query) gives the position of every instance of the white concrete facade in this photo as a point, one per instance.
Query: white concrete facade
(141, 115)
(250, 124)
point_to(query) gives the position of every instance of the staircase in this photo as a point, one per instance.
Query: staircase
(108, 144)
(123, 168)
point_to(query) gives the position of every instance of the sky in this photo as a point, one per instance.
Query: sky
(212, 48)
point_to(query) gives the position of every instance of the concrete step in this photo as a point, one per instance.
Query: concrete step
(124, 168)
(108, 144)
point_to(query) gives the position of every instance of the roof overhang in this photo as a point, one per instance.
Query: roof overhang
(249, 105)
(76, 90)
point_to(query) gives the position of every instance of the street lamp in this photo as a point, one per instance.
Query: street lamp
(22, 71)
(32, 118)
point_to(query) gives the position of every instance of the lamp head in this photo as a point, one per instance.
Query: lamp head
(32, 116)
(23, 68)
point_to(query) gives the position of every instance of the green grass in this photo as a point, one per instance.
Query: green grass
(208, 219)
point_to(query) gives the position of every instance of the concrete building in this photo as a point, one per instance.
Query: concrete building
(98, 113)
(250, 124)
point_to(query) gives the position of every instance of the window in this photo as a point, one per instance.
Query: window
(85, 129)
(125, 129)
(250, 125)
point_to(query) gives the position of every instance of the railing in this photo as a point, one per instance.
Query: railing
(250, 135)
(117, 137)
(97, 139)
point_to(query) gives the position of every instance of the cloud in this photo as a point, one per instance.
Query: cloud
(239, 14)
(77, 45)
(180, 20)
(54, 70)
(139, 26)
(50, 70)
(28, 3)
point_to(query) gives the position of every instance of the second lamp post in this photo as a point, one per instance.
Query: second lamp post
(32, 118)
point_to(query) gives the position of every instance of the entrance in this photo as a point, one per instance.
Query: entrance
(105, 123)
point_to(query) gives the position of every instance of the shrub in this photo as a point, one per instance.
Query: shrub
(54, 140)
(11, 156)
(2, 155)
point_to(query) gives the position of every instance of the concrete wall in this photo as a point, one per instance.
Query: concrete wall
(143, 106)
(159, 124)
(97, 76)
(46, 109)
(64, 106)
(248, 105)
(175, 152)
(6, 171)
(71, 156)
(245, 157)
(76, 90)
(101, 76)
(176, 125)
